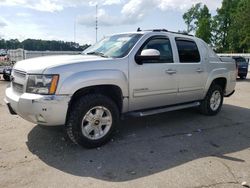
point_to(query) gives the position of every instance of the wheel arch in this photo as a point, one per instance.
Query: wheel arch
(218, 76)
(221, 81)
(84, 79)
(114, 92)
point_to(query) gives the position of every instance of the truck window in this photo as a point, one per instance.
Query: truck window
(163, 45)
(188, 51)
(115, 46)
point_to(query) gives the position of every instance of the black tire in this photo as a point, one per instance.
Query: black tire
(242, 77)
(77, 112)
(6, 77)
(205, 107)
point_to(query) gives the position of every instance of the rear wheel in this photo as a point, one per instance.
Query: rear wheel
(92, 120)
(213, 101)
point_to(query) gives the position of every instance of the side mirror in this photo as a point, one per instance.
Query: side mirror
(147, 55)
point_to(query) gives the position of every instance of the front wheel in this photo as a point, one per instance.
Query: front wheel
(92, 120)
(213, 101)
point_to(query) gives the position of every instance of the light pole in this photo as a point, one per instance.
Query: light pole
(96, 23)
(75, 30)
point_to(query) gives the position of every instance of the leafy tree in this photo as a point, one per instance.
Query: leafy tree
(239, 33)
(198, 20)
(223, 24)
(190, 16)
(228, 31)
(41, 45)
(204, 24)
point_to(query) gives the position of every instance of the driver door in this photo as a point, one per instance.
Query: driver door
(154, 83)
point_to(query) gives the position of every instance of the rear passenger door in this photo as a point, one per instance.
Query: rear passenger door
(191, 71)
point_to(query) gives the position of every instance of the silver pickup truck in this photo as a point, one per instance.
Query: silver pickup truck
(130, 74)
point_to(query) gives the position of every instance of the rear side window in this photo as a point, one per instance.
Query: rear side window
(188, 51)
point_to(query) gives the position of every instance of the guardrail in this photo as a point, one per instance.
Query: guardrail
(21, 54)
(247, 56)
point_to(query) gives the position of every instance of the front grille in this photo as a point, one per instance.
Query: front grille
(19, 81)
(17, 87)
(19, 74)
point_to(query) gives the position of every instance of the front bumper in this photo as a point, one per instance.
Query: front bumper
(12, 112)
(38, 109)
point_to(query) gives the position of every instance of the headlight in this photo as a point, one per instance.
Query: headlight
(42, 84)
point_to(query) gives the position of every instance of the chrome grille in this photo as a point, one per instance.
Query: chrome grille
(17, 87)
(19, 81)
(19, 74)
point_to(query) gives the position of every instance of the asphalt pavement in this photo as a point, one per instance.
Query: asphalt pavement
(175, 149)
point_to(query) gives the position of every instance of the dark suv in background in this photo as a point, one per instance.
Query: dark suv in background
(242, 65)
(7, 73)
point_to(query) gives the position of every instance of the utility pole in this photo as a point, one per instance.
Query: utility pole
(96, 23)
(75, 30)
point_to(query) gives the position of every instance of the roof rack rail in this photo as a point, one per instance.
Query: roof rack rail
(182, 33)
(165, 30)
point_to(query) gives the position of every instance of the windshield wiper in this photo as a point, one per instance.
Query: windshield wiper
(97, 53)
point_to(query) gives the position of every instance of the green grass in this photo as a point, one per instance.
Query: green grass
(5, 63)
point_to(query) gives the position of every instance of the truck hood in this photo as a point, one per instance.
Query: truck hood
(38, 65)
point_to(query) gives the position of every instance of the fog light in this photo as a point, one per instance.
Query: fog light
(40, 119)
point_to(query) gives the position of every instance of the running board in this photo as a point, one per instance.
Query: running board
(162, 110)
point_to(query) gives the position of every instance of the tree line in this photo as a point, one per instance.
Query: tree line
(41, 45)
(227, 31)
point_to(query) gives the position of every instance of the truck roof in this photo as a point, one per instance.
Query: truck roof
(165, 30)
(180, 34)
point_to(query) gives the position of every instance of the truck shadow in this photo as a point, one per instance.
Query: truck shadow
(145, 146)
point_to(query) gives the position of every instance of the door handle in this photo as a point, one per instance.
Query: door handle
(199, 70)
(171, 71)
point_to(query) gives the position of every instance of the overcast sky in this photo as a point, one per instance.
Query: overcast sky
(55, 19)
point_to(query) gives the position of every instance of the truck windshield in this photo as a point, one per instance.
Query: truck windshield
(116, 46)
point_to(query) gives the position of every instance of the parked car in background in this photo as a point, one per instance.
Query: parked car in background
(7, 73)
(3, 55)
(3, 52)
(242, 65)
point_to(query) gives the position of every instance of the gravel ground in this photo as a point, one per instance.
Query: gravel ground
(176, 149)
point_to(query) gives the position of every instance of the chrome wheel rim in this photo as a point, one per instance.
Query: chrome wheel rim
(215, 100)
(96, 123)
